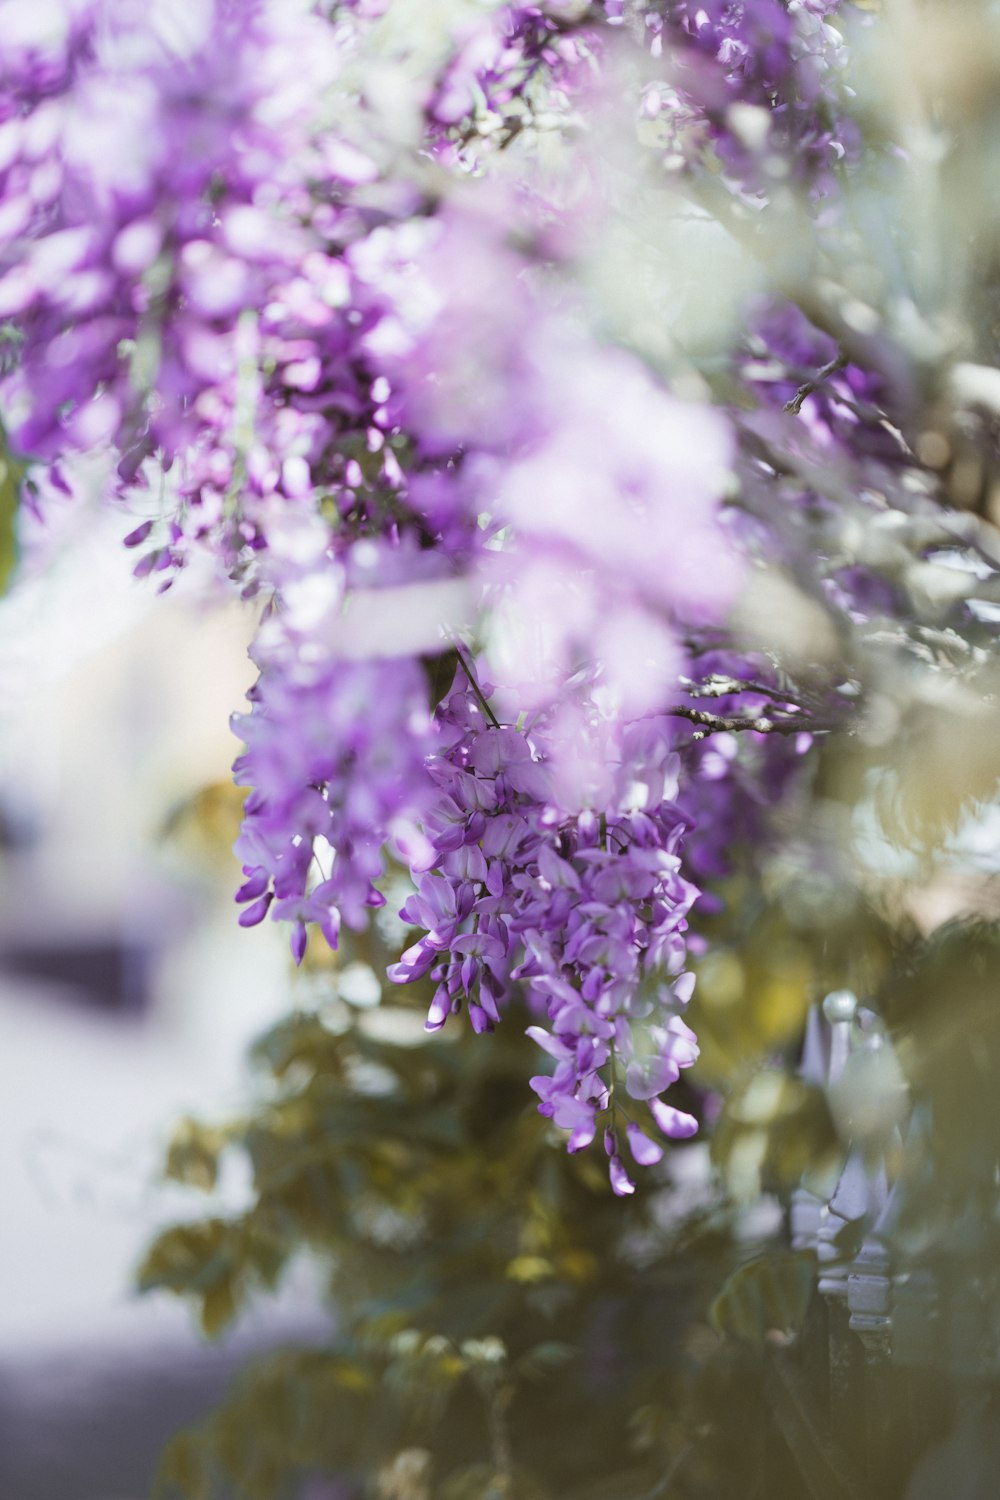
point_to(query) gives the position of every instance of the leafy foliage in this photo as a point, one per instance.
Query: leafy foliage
(495, 1312)
(499, 1325)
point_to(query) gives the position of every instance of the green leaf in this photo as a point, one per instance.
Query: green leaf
(766, 1297)
(193, 1154)
(183, 1470)
(11, 476)
(218, 1306)
(774, 1128)
(266, 1253)
(210, 1261)
(440, 673)
(183, 1257)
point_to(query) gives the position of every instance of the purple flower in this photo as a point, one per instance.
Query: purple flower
(673, 1122)
(621, 1184)
(523, 893)
(382, 408)
(645, 1151)
(335, 756)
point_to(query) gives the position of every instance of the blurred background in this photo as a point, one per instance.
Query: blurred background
(127, 996)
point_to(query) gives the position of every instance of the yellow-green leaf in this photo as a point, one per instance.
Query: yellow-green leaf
(765, 1299)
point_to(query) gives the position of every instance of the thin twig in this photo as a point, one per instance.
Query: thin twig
(725, 723)
(470, 674)
(813, 385)
(718, 686)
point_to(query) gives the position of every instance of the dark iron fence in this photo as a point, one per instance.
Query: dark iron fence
(892, 1389)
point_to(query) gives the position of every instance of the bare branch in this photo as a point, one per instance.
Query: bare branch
(758, 724)
(813, 385)
(720, 686)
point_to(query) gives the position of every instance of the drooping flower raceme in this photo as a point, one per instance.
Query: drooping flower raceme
(335, 757)
(587, 911)
(311, 282)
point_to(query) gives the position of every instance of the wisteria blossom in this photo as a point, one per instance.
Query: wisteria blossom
(342, 307)
(588, 911)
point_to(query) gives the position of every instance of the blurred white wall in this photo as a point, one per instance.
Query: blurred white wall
(114, 708)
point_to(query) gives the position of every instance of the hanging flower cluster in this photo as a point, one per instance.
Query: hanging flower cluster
(339, 293)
